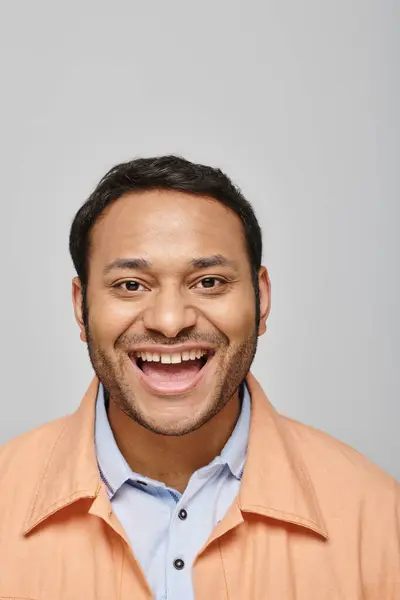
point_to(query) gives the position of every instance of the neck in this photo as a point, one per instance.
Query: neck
(172, 459)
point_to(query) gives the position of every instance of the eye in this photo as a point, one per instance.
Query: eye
(130, 286)
(209, 283)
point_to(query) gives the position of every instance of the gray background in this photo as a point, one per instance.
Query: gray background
(297, 101)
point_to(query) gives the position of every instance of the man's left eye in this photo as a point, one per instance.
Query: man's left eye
(209, 282)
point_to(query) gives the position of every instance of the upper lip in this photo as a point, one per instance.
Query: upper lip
(177, 348)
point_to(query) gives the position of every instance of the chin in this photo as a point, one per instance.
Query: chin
(173, 415)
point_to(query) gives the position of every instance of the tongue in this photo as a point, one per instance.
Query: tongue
(173, 372)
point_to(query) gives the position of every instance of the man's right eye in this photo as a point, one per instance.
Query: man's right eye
(130, 286)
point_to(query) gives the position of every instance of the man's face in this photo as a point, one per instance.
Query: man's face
(171, 325)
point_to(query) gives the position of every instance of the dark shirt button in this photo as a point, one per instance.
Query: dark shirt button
(179, 564)
(182, 514)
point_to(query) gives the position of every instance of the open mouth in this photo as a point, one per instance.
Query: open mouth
(174, 372)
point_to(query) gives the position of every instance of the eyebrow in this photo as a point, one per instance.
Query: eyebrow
(203, 262)
(216, 260)
(131, 264)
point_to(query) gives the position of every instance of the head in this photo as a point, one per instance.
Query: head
(170, 294)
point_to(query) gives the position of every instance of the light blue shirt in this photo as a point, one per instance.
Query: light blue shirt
(151, 513)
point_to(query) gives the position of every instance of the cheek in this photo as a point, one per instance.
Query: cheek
(108, 319)
(235, 317)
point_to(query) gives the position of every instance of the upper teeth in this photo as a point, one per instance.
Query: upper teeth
(176, 357)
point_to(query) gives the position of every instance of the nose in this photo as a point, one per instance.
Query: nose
(169, 313)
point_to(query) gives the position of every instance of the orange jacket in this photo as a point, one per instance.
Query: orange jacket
(314, 520)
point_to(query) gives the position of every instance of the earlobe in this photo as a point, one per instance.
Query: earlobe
(262, 328)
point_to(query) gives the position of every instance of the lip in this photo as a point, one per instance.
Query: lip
(174, 389)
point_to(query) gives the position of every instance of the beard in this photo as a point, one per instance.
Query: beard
(231, 372)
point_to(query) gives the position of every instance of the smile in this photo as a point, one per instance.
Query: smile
(169, 372)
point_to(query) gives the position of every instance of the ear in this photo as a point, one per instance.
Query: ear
(264, 285)
(77, 297)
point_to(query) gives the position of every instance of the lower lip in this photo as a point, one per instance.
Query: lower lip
(170, 388)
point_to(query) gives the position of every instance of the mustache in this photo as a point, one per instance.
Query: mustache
(129, 339)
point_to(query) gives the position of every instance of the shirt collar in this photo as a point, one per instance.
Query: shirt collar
(235, 449)
(115, 471)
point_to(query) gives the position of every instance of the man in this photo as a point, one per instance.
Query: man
(175, 478)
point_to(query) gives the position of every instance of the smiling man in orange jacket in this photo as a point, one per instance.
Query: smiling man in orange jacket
(176, 478)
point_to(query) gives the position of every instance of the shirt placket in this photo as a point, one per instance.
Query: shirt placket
(179, 561)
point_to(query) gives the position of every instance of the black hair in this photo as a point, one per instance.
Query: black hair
(168, 173)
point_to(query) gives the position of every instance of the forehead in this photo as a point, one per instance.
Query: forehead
(160, 223)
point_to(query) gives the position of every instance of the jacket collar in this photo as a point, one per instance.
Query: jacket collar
(275, 482)
(70, 470)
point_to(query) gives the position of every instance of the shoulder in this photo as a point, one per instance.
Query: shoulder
(25, 453)
(349, 486)
(22, 464)
(335, 461)
(327, 455)
(359, 501)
